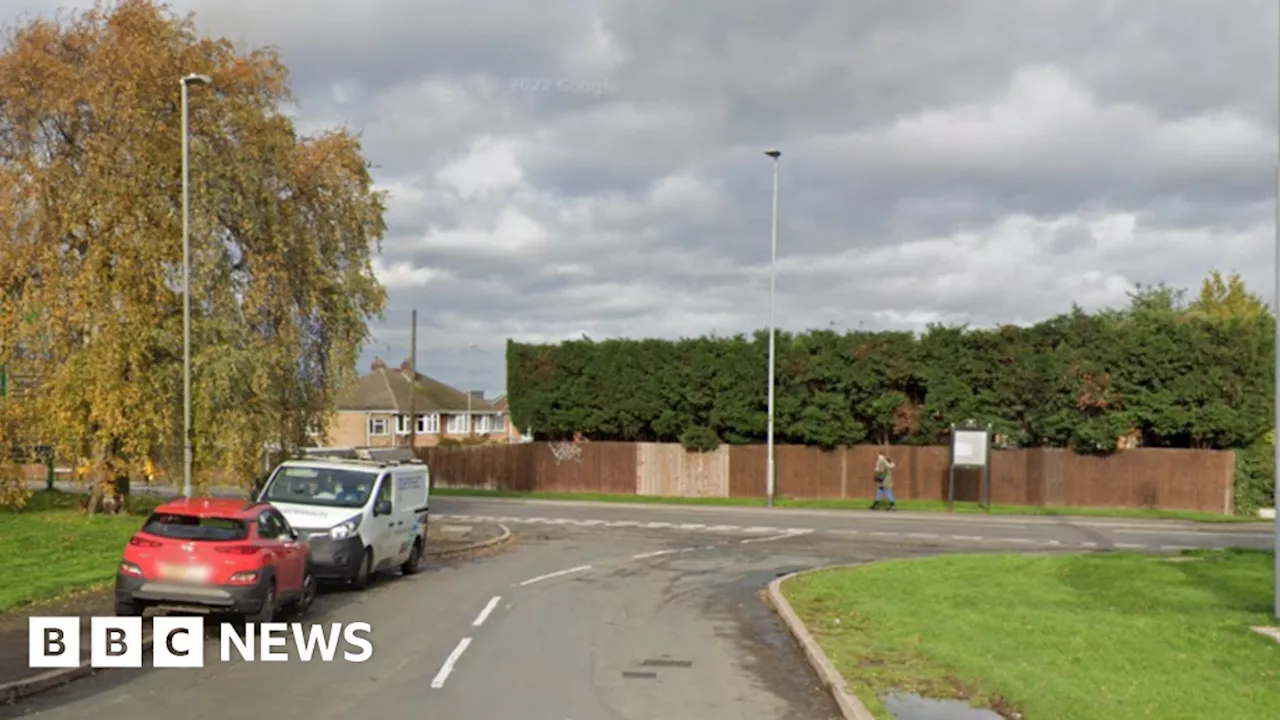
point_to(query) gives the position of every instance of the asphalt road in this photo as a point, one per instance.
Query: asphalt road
(604, 612)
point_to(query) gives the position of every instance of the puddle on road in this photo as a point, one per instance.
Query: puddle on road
(906, 706)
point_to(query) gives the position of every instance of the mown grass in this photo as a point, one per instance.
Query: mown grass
(50, 548)
(862, 504)
(1056, 637)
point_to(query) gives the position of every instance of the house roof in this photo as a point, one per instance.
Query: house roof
(390, 390)
(500, 402)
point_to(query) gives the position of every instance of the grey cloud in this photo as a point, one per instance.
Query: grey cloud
(997, 212)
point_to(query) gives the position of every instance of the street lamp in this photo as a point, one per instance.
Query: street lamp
(186, 82)
(773, 298)
(1275, 431)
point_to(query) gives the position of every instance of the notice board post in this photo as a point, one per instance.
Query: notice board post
(970, 449)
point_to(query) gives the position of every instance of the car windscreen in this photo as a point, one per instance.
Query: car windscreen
(193, 527)
(332, 487)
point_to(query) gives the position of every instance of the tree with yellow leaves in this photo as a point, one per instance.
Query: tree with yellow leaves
(283, 228)
(1225, 296)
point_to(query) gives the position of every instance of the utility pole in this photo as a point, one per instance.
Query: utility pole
(187, 452)
(413, 382)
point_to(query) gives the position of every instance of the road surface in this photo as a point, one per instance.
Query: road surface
(599, 612)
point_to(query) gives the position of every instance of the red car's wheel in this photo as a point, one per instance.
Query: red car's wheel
(268, 611)
(310, 589)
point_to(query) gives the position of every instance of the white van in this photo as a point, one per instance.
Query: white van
(358, 515)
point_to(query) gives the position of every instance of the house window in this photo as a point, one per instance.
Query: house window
(497, 424)
(429, 424)
(402, 424)
(457, 425)
(378, 426)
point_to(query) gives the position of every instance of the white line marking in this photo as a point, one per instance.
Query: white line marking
(880, 533)
(447, 668)
(484, 614)
(656, 525)
(721, 528)
(1132, 546)
(783, 536)
(1017, 540)
(975, 538)
(922, 535)
(558, 573)
(690, 526)
(1206, 533)
(655, 553)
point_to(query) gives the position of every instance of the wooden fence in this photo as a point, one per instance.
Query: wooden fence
(1197, 480)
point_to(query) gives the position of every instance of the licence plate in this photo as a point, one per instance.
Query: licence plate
(186, 573)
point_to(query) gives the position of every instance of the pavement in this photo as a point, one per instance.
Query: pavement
(628, 612)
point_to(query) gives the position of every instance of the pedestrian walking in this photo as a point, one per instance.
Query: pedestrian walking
(884, 482)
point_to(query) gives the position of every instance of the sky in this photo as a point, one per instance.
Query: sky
(567, 167)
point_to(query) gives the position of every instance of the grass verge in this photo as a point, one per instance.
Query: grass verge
(1056, 637)
(50, 549)
(858, 504)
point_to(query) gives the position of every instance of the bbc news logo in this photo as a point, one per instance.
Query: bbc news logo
(179, 642)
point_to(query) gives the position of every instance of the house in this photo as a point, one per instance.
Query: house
(378, 409)
(513, 433)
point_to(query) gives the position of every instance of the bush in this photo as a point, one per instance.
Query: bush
(1255, 476)
(700, 439)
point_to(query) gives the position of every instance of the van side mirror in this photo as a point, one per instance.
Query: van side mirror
(382, 508)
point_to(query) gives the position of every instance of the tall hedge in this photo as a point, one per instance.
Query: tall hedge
(1078, 380)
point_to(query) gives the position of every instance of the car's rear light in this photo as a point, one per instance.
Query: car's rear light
(239, 550)
(128, 568)
(244, 578)
(143, 542)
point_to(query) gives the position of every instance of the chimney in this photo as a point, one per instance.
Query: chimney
(477, 394)
(378, 365)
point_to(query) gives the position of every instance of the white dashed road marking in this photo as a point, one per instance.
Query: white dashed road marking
(555, 574)
(783, 536)
(781, 533)
(484, 614)
(447, 669)
(654, 554)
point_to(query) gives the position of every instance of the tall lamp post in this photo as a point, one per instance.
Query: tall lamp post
(773, 301)
(186, 83)
(1275, 432)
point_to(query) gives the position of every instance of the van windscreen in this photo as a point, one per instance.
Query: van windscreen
(333, 487)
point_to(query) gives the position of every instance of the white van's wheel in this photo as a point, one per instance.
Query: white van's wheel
(414, 564)
(361, 580)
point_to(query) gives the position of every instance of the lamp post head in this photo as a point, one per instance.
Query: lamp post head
(775, 154)
(194, 79)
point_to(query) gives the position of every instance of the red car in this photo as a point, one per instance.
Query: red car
(216, 555)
